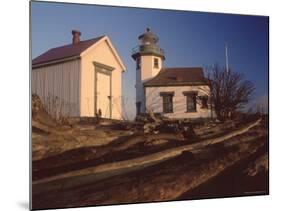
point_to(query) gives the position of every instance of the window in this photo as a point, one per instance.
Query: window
(138, 63)
(190, 101)
(167, 102)
(204, 101)
(147, 43)
(138, 107)
(156, 63)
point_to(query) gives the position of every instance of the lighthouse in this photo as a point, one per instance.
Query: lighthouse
(149, 59)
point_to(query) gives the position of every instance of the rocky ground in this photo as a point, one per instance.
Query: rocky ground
(86, 163)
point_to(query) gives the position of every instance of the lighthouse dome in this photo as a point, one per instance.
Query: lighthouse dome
(148, 37)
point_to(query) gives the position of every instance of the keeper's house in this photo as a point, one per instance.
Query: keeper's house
(174, 92)
(84, 78)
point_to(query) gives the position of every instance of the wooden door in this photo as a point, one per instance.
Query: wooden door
(103, 94)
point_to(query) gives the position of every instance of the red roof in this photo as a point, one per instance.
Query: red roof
(65, 51)
(178, 76)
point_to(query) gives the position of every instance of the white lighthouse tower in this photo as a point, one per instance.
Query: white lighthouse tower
(149, 58)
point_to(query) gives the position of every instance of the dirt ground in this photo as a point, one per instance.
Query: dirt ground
(184, 177)
(66, 157)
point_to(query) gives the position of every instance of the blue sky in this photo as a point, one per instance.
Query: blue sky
(188, 38)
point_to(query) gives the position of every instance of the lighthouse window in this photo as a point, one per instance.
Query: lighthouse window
(138, 106)
(156, 63)
(138, 63)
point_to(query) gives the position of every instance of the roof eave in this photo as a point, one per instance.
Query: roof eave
(138, 54)
(176, 84)
(106, 38)
(43, 64)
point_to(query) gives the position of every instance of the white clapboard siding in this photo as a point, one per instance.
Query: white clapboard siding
(60, 83)
(154, 101)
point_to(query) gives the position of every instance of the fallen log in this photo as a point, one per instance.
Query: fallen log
(41, 127)
(48, 129)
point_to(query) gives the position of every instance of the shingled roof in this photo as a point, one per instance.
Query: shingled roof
(178, 77)
(65, 51)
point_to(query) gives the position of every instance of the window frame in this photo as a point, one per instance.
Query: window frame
(138, 108)
(170, 108)
(204, 106)
(156, 62)
(193, 95)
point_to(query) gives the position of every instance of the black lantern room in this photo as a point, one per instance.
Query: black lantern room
(148, 45)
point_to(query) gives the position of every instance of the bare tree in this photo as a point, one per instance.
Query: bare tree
(229, 91)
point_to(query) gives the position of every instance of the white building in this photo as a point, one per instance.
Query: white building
(83, 77)
(174, 92)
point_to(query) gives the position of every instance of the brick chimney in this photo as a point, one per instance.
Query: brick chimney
(76, 36)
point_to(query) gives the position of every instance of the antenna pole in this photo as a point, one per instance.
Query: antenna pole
(226, 58)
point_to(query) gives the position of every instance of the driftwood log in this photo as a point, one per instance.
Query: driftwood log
(155, 125)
